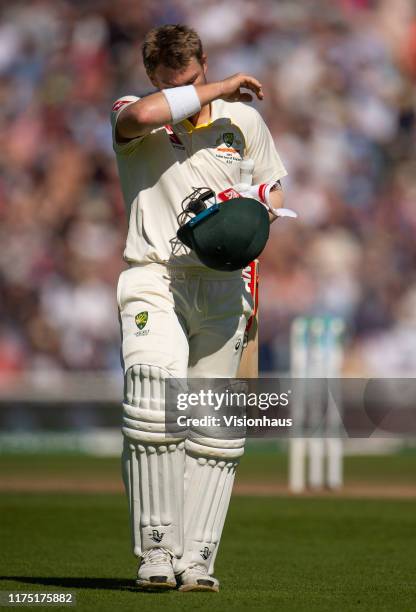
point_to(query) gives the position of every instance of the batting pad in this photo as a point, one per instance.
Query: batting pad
(152, 463)
(210, 467)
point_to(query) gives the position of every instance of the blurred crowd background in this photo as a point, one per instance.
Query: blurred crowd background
(339, 78)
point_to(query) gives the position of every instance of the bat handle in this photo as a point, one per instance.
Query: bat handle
(246, 171)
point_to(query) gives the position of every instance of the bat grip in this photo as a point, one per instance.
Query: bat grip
(246, 171)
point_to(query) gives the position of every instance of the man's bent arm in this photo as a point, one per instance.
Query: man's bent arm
(153, 111)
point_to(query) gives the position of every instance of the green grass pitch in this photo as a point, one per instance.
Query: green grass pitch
(277, 554)
(260, 464)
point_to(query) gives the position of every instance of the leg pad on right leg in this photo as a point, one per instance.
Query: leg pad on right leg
(153, 464)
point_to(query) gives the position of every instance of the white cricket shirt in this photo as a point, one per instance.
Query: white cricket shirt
(159, 170)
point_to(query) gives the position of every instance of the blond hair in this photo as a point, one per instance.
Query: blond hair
(171, 45)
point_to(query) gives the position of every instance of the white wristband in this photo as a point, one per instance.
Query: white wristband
(183, 102)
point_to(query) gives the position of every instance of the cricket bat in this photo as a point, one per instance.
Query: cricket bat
(249, 364)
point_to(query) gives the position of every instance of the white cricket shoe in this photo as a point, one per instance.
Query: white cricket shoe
(196, 578)
(156, 571)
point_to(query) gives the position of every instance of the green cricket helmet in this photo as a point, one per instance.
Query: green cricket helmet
(228, 236)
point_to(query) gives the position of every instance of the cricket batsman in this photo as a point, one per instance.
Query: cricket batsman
(180, 318)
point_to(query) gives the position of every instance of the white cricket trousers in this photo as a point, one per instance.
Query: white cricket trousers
(189, 321)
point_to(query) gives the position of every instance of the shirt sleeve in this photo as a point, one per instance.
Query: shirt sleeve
(118, 107)
(260, 147)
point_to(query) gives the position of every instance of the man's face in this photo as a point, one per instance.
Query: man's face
(194, 74)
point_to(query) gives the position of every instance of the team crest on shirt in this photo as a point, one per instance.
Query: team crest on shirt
(229, 147)
(141, 320)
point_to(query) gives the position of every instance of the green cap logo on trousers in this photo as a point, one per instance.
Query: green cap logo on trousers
(141, 319)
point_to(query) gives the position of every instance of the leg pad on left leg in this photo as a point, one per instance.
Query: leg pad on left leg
(209, 477)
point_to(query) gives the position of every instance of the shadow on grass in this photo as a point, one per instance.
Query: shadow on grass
(108, 584)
